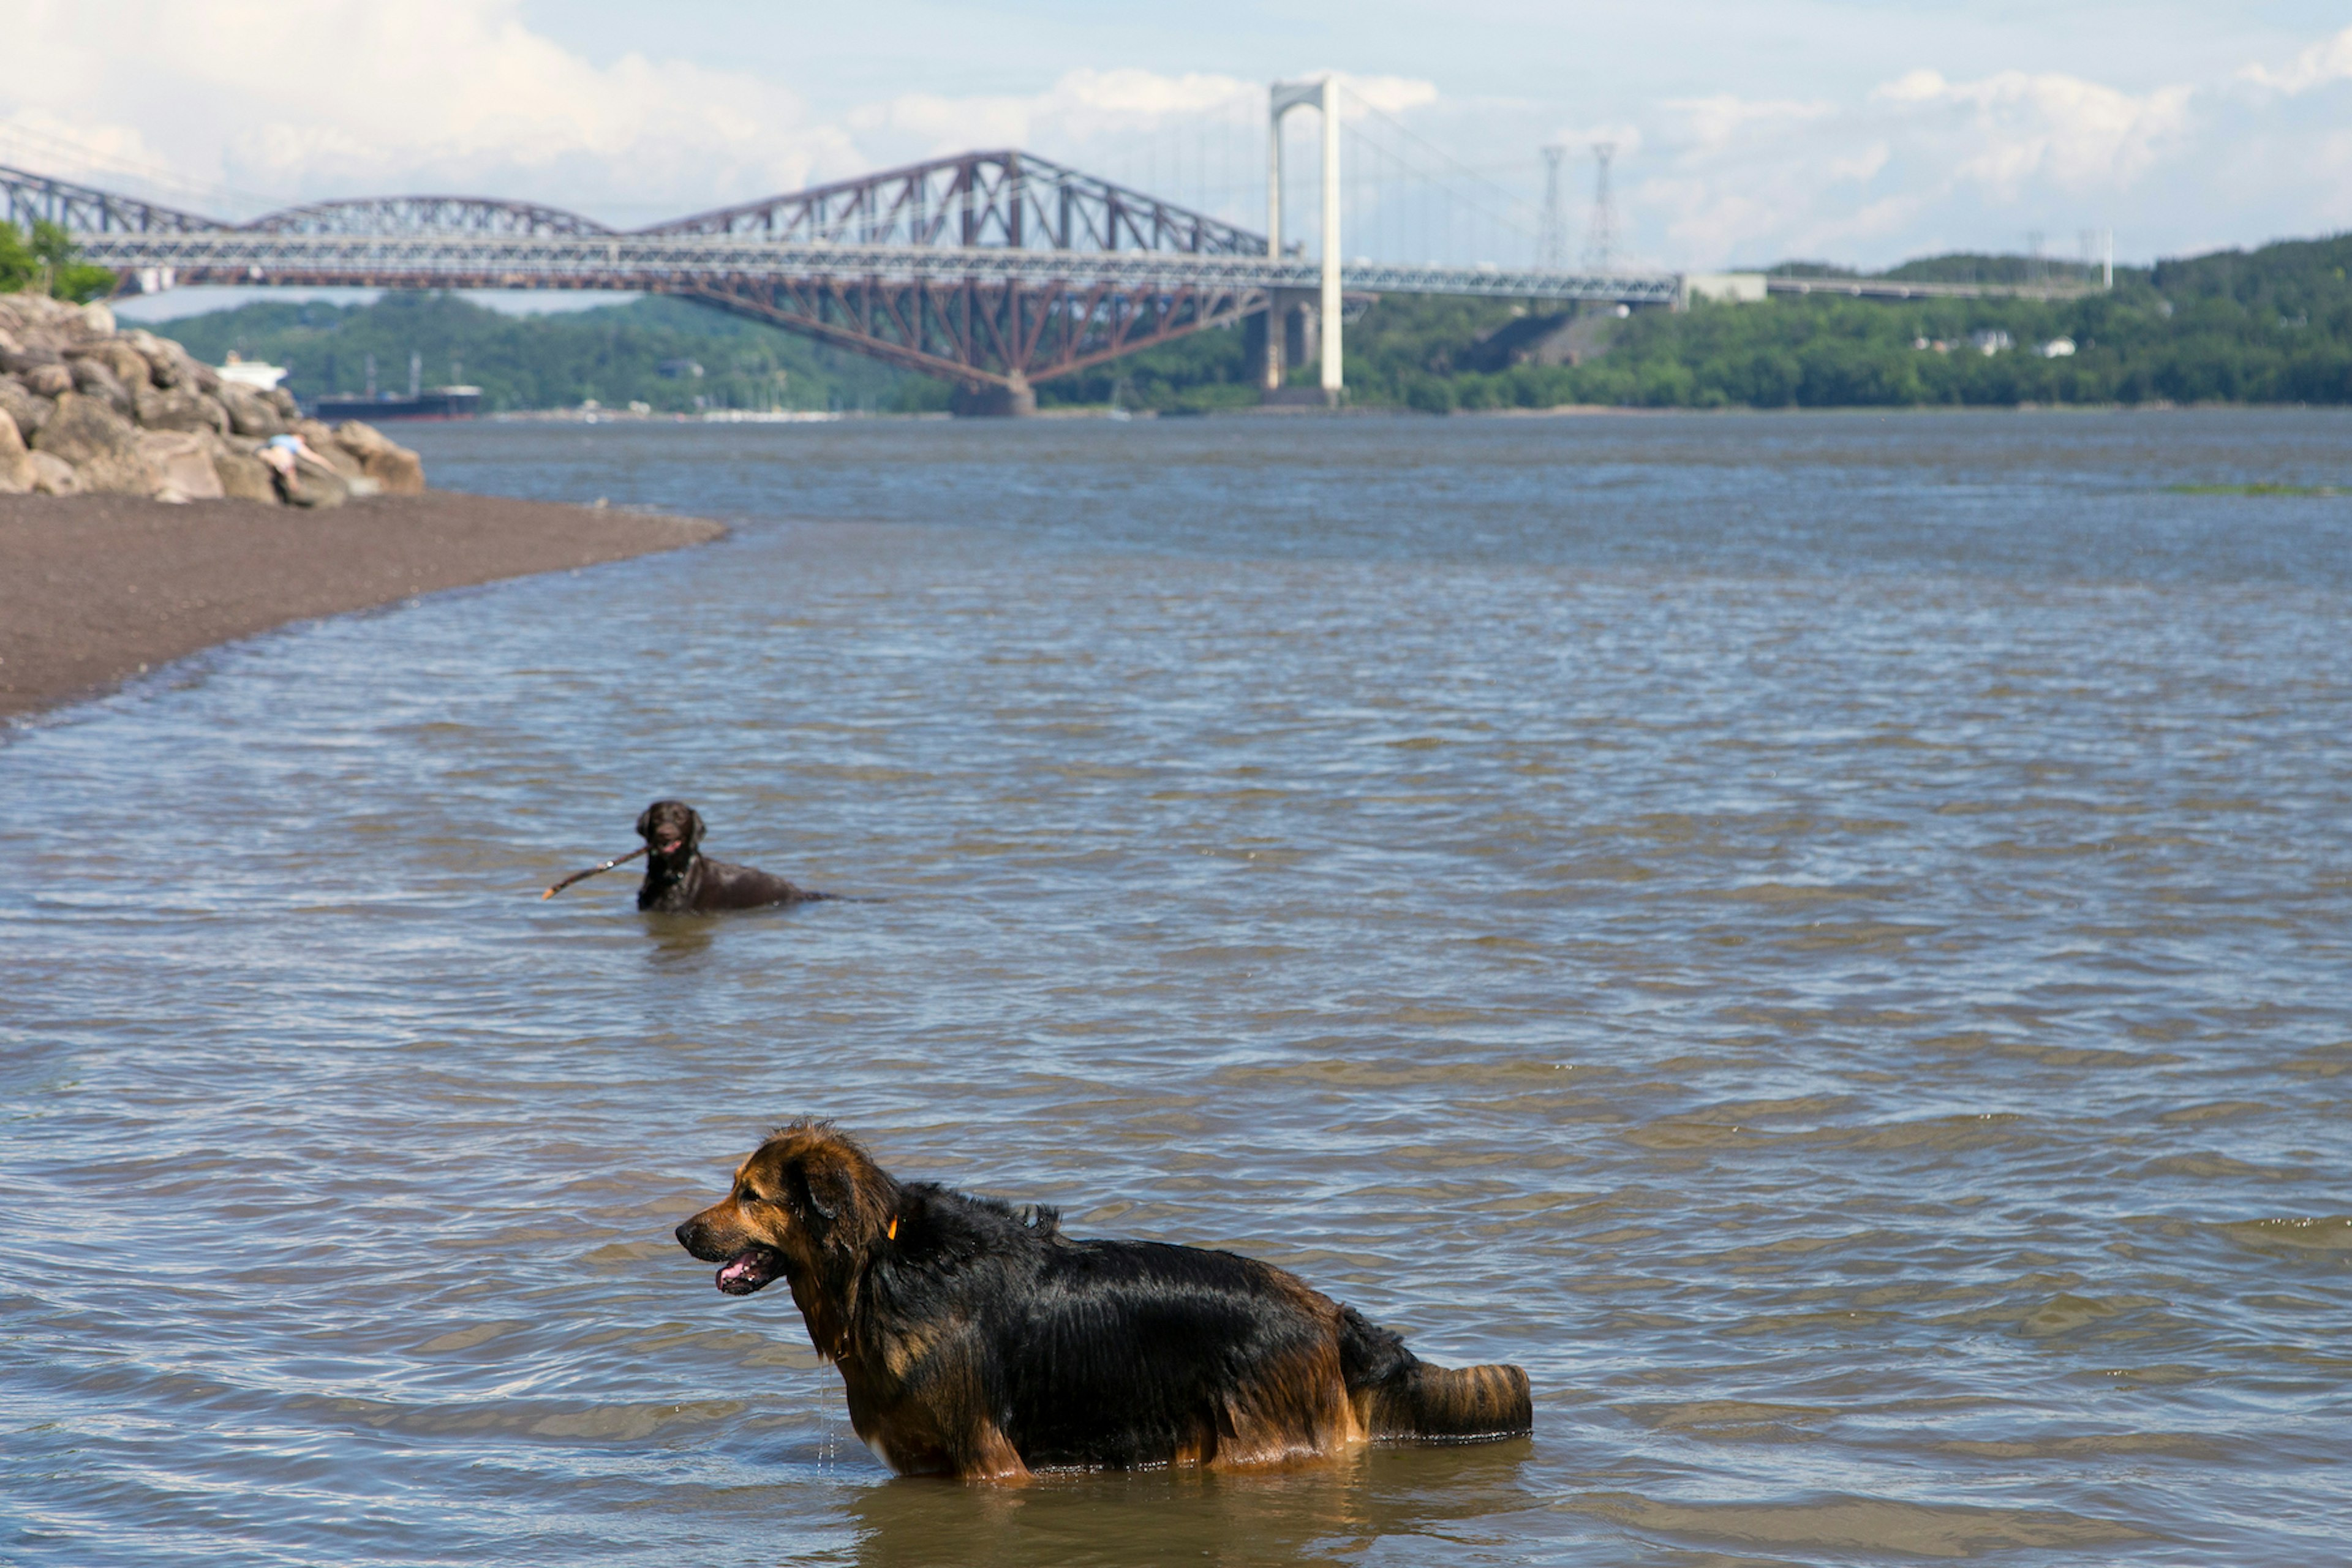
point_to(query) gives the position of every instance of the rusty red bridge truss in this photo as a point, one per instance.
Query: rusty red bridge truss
(991, 269)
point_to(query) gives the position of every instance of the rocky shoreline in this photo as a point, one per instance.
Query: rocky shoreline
(87, 408)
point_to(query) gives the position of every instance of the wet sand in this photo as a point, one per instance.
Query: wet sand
(97, 589)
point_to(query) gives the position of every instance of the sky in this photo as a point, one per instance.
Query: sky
(1746, 133)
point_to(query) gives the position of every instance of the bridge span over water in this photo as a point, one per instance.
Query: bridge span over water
(992, 270)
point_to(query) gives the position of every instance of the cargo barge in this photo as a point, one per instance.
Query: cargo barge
(433, 403)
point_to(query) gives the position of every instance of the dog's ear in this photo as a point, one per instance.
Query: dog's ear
(693, 828)
(823, 1190)
(645, 821)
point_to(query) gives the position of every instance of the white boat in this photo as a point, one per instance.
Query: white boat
(251, 373)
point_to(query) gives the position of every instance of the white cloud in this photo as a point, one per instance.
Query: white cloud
(1862, 164)
(235, 105)
(1083, 106)
(1390, 94)
(2078, 133)
(1725, 118)
(346, 96)
(1989, 159)
(2328, 60)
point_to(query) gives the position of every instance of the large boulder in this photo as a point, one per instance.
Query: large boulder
(49, 380)
(92, 377)
(315, 485)
(358, 438)
(183, 461)
(321, 440)
(249, 413)
(15, 458)
(22, 352)
(168, 364)
(400, 471)
(180, 407)
(102, 446)
(15, 356)
(30, 412)
(243, 475)
(54, 476)
(36, 314)
(129, 365)
(283, 401)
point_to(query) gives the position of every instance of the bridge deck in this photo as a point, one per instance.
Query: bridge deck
(667, 262)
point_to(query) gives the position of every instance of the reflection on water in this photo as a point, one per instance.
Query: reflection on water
(1822, 938)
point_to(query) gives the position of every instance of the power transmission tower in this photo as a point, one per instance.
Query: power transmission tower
(1600, 234)
(1553, 246)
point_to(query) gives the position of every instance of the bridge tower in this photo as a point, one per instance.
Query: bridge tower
(1322, 94)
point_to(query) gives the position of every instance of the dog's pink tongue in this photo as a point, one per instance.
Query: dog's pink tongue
(746, 1273)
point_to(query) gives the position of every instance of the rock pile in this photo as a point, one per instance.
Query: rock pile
(86, 407)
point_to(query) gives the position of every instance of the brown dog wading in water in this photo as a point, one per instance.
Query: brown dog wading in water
(680, 880)
(980, 1343)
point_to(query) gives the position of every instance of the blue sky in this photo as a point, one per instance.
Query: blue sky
(1616, 58)
(1748, 132)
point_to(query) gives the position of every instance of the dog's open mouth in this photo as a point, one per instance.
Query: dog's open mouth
(754, 1269)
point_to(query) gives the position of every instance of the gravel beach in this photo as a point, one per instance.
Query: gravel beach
(95, 589)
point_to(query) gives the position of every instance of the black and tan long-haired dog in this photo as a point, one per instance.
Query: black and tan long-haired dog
(975, 1342)
(681, 879)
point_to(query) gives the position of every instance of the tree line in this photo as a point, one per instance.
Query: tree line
(2273, 325)
(668, 355)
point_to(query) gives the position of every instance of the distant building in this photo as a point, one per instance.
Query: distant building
(2056, 348)
(1990, 340)
(1725, 288)
(678, 369)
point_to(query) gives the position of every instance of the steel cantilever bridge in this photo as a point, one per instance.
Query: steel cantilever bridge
(990, 270)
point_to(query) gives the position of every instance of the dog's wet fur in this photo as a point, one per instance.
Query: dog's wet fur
(982, 1342)
(680, 880)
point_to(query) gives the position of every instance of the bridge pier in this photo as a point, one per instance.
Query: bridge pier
(1289, 333)
(990, 401)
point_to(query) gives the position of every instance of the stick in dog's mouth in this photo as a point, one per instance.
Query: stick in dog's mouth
(592, 871)
(750, 1270)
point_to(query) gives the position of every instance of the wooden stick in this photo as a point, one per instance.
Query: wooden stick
(592, 870)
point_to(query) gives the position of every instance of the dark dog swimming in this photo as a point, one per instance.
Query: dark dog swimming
(980, 1343)
(681, 879)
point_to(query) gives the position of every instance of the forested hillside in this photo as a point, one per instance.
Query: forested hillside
(2273, 325)
(670, 354)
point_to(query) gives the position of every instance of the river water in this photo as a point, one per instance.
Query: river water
(1824, 938)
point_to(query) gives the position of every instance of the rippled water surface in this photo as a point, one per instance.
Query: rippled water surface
(1825, 939)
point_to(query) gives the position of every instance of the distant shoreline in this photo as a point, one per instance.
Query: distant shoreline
(99, 589)
(1252, 411)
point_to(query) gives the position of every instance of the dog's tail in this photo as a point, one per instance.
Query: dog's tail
(1398, 1395)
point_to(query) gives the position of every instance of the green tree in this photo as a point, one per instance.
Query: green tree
(46, 263)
